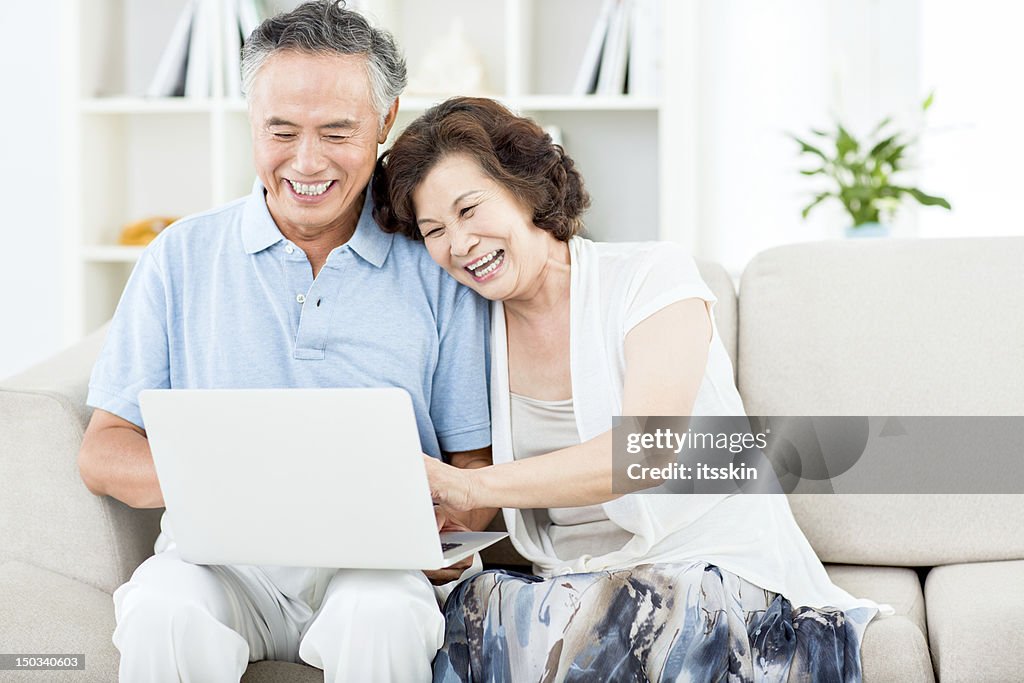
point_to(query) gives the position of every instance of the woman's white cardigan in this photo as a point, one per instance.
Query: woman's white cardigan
(751, 535)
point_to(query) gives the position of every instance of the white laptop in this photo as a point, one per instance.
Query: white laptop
(298, 477)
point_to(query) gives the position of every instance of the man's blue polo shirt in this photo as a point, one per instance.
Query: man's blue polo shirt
(223, 300)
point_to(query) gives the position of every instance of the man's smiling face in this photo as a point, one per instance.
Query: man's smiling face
(315, 135)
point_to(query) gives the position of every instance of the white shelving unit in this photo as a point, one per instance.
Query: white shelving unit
(128, 157)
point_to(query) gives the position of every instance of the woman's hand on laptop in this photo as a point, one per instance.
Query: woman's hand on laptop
(445, 522)
(450, 486)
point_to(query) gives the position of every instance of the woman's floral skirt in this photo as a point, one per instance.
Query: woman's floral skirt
(655, 622)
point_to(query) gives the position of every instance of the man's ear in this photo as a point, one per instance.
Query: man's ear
(389, 121)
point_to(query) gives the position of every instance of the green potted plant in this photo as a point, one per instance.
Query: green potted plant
(862, 174)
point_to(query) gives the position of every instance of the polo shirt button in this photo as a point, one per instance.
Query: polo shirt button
(301, 298)
(289, 250)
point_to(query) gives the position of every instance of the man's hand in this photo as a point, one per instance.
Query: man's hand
(445, 522)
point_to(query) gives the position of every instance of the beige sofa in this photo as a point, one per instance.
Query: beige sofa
(886, 327)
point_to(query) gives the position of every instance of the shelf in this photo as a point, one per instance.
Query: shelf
(146, 105)
(131, 156)
(418, 104)
(529, 103)
(584, 103)
(111, 254)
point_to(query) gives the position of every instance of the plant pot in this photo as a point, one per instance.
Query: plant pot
(868, 230)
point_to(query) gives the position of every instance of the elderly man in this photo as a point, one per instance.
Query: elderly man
(292, 286)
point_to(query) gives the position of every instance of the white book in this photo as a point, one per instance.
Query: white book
(644, 48)
(198, 72)
(586, 77)
(168, 79)
(612, 80)
(232, 49)
(249, 17)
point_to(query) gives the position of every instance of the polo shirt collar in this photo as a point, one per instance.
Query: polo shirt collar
(369, 241)
(259, 231)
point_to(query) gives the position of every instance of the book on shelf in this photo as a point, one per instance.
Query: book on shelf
(622, 53)
(232, 49)
(644, 69)
(587, 76)
(250, 15)
(189, 61)
(169, 78)
(612, 79)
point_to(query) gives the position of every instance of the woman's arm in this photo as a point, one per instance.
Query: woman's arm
(666, 356)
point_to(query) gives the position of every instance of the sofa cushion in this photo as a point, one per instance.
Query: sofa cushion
(42, 612)
(281, 672)
(47, 516)
(898, 587)
(890, 327)
(895, 648)
(65, 375)
(911, 529)
(886, 327)
(976, 621)
(724, 290)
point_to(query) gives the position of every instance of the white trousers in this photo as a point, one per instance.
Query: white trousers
(178, 621)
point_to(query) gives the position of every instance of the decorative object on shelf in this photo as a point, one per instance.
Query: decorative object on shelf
(862, 174)
(142, 232)
(187, 63)
(621, 56)
(450, 66)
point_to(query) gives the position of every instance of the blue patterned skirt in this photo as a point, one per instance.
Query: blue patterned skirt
(655, 622)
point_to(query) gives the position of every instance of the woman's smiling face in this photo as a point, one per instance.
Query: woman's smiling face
(478, 231)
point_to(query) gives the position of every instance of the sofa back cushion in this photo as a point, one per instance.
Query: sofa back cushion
(47, 516)
(891, 327)
(725, 309)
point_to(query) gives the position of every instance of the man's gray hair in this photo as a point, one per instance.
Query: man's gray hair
(326, 27)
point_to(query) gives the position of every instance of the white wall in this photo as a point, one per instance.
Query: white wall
(788, 65)
(971, 53)
(768, 69)
(31, 310)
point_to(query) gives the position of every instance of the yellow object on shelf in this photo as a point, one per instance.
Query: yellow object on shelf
(141, 232)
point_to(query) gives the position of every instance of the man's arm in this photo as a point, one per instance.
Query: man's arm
(478, 519)
(115, 461)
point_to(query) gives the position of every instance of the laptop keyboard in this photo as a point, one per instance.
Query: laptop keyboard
(445, 547)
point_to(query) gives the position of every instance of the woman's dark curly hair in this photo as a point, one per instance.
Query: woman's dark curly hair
(514, 151)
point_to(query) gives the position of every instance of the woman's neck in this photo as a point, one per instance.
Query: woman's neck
(550, 292)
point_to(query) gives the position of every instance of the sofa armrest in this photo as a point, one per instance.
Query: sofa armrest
(47, 516)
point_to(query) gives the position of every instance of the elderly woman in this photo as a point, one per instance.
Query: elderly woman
(637, 587)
